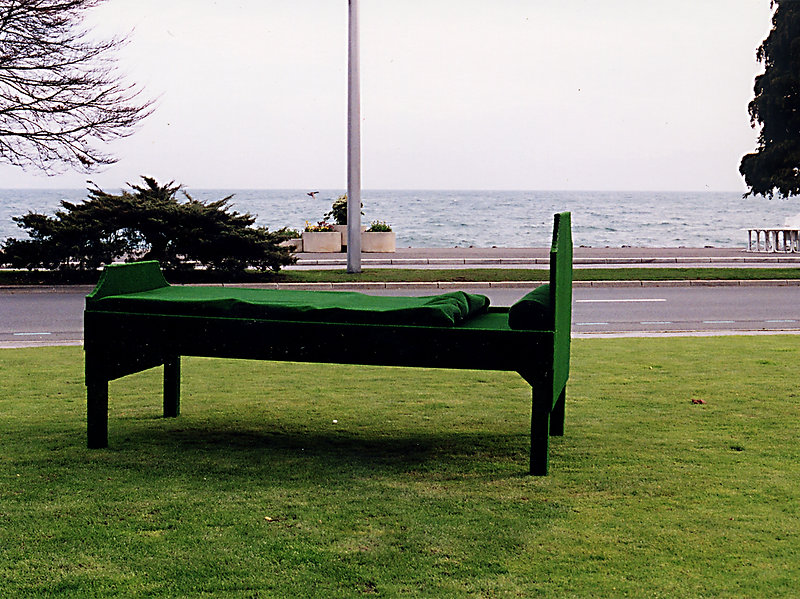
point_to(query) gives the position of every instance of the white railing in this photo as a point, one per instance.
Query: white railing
(778, 239)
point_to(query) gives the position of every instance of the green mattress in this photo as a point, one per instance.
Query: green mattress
(448, 309)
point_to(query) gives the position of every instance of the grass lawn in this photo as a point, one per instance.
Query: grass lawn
(298, 480)
(522, 274)
(428, 275)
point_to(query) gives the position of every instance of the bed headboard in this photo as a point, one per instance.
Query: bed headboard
(130, 277)
(561, 296)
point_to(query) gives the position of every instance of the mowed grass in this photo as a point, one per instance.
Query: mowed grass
(540, 274)
(424, 275)
(299, 480)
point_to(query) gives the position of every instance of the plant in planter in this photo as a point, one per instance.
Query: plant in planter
(338, 213)
(379, 237)
(285, 233)
(321, 238)
(379, 226)
(290, 238)
(322, 226)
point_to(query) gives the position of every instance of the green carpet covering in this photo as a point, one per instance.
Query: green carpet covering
(447, 309)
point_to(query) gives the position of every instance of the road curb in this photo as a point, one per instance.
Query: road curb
(545, 261)
(451, 285)
(446, 285)
(46, 288)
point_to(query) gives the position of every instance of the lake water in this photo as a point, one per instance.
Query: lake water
(492, 218)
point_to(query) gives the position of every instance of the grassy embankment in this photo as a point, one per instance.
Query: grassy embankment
(298, 480)
(426, 275)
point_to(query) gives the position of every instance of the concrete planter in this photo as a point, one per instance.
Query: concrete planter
(322, 241)
(296, 245)
(378, 241)
(343, 230)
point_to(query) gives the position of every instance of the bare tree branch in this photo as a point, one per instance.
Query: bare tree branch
(61, 96)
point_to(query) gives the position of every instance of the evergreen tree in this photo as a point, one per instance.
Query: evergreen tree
(775, 165)
(147, 223)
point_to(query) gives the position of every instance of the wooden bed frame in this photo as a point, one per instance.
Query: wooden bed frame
(121, 343)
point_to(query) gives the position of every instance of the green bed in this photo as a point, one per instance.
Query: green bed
(135, 320)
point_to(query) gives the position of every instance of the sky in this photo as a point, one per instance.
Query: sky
(456, 94)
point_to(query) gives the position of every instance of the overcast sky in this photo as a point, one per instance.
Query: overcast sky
(456, 94)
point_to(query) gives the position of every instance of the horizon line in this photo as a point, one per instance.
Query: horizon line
(382, 189)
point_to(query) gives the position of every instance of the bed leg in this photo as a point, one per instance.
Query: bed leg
(557, 415)
(540, 438)
(97, 414)
(172, 387)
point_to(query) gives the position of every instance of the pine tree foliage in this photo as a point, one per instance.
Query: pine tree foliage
(147, 223)
(774, 168)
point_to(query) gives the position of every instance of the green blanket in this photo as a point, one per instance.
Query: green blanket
(447, 309)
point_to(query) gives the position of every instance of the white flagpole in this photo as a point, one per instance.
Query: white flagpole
(353, 144)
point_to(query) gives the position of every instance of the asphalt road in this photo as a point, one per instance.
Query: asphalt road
(41, 318)
(55, 318)
(674, 310)
(683, 310)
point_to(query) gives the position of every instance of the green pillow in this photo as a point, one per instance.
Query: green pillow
(534, 311)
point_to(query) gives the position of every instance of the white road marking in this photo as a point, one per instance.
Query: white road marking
(779, 320)
(30, 334)
(656, 322)
(587, 324)
(719, 321)
(611, 301)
